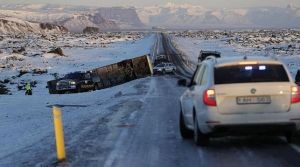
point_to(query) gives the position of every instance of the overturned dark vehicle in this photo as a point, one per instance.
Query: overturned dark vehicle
(102, 77)
(204, 54)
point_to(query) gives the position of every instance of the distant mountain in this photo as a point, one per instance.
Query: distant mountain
(50, 8)
(76, 18)
(74, 22)
(9, 25)
(78, 22)
(126, 18)
(191, 16)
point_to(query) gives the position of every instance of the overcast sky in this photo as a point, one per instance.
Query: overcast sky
(141, 3)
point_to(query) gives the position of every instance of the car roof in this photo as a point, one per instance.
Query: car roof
(209, 52)
(236, 60)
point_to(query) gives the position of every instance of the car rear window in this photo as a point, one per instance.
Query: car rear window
(160, 65)
(250, 73)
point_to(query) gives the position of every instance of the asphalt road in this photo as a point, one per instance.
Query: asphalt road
(183, 68)
(155, 140)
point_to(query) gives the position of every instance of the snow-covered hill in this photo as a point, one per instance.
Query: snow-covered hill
(74, 22)
(174, 16)
(191, 16)
(76, 18)
(78, 22)
(126, 18)
(9, 25)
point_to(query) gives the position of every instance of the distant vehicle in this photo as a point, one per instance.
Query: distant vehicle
(75, 82)
(291, 64)
(297, 78)
(159, 57)
(204, 54)
(164, 68)
(233, 96)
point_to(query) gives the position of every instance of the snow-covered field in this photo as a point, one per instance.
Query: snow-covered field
(26, 124)
(27, 120)
(283, 44)
(81, 53)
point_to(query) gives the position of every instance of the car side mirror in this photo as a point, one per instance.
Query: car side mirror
(182, 82)
(297, 79)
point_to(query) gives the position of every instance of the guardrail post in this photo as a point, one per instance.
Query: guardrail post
(59, 134)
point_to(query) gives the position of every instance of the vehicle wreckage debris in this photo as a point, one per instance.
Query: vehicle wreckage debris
(102, 77)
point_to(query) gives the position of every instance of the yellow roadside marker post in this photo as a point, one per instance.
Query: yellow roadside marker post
(59, 134)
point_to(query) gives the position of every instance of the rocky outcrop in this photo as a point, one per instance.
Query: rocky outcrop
(58, 51)
(48, 26)
(3, 89)
(91, 30)
(78, 22)
(9, 25)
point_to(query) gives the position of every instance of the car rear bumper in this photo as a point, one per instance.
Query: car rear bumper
(212, 120)
(157, 71)
(246, 129)
(65, 88)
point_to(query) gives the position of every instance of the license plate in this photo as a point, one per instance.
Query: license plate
(253, 100)
(87, 86)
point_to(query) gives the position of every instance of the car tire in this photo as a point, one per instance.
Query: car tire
(67, 92)
(290, 137)
(96, 87)
(200, 139)
(79, 89)
(184, 131)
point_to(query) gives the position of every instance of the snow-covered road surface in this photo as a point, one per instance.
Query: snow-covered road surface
(155, 139)
(138, 126)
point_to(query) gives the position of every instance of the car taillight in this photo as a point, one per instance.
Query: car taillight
(295, 95)
(209, 97)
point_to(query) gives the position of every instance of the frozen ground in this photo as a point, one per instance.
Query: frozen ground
(27, 127)
(26, 121)
(284, 45)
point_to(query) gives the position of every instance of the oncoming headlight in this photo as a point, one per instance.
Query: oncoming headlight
(72, 82)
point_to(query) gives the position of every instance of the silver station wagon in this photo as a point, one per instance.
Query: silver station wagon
(239, 96)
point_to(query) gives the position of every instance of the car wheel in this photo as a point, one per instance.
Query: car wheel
(184, 131)
(96, 87)
(164, 71)
(199, 138)
(79, 89)
(290, 137)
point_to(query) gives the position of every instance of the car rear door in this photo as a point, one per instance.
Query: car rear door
(187, 99)
(261, 88)
(168, 67)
